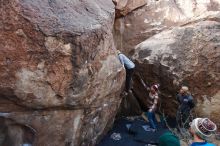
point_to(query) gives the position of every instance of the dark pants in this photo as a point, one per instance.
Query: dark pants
(183, 118)
(129, 73)
(152, 119)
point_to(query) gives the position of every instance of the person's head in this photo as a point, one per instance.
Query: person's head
(154, 88)
(184, 90)
(169, 139)
(202, 128)
(118, 52)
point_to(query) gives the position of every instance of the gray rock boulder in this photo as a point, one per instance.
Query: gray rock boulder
(156, 16)
(60, 77)
(123, 7)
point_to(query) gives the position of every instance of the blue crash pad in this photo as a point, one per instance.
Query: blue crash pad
(136, 135)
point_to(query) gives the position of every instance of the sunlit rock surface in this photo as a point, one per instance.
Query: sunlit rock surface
(156, 16)
(123, 7)
(60, 77)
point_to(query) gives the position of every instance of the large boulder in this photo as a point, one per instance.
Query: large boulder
(123, 7)
(185, 55)
(156, 16)
(59, 74)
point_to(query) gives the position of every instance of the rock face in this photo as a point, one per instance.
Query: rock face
(156, 16)
(123, 7)
(177, 28)
(129, 106)
(60, 78)
(185, 55)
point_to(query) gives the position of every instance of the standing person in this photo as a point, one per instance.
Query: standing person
(186, 104)
(153, 96)
(129, 67)
(201, 129)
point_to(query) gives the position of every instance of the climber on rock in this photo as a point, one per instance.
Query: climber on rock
(129, 67)
(186, 105)
(154, 97)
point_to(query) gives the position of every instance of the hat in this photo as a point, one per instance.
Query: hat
(155, 87)
(169, 139)
(203, 127)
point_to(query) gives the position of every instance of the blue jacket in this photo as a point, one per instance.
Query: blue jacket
(186, 102)
(128, 64)
(202, 144)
